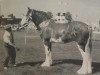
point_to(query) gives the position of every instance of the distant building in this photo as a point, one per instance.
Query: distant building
(7, 20)
(95, 27)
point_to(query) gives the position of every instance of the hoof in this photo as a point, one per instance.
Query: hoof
(82, 71)
(45, 64)
(90, 71)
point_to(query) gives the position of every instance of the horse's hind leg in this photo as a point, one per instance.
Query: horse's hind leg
(88, 49)
(86, 55)
(48, 59)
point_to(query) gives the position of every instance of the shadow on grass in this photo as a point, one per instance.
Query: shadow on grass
(96, 65)
(68, 61)
(29, 63)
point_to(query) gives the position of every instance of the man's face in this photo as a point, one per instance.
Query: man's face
(8, 29)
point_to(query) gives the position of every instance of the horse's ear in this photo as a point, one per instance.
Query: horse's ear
(28, 8)
(33, 10)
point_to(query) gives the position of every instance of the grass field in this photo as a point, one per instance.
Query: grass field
(66, 57)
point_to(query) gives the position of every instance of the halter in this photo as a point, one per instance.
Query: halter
(29, 18)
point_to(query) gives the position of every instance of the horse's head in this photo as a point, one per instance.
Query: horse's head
(30, 17)
(36, 17)
(27, 18)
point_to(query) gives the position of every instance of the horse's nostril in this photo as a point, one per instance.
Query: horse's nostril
(24, 23)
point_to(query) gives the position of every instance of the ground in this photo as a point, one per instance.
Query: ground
(66, 57)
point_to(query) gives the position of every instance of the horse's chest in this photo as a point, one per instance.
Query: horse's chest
(58, 33)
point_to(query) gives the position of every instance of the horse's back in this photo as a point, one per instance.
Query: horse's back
(66, 31)
(77, 25)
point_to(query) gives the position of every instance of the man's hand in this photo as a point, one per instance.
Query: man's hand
(18, 49)
(15, 46)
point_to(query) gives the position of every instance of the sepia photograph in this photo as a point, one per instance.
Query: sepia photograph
(49, 37)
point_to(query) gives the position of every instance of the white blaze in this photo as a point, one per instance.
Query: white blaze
(24, 20)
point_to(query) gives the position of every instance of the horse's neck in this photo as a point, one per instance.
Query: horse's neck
(38, 21)
(39, 17)
(44, 23)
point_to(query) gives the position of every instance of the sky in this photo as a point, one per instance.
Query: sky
(84, 10)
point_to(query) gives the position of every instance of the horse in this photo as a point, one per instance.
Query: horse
(76, 31)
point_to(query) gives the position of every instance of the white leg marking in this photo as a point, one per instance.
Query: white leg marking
(89, 57)
(86, 65)
(83, 69)
(56, 40)
(48, 60)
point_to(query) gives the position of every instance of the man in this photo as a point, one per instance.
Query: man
(9, 47)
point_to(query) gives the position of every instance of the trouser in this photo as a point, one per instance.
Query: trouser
(10, 54)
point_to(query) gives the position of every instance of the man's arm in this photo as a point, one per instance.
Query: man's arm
(7, 39)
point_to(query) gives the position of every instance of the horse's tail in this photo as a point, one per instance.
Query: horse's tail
(90, 35)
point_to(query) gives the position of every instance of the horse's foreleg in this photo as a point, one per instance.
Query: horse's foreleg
(48, 59)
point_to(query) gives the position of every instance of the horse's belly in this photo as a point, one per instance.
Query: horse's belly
(59, 40)
(62, 38)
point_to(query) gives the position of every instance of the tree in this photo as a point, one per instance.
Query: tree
(68, 16)
(1, 16)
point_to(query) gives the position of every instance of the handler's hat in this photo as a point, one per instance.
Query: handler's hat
(7, 27)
